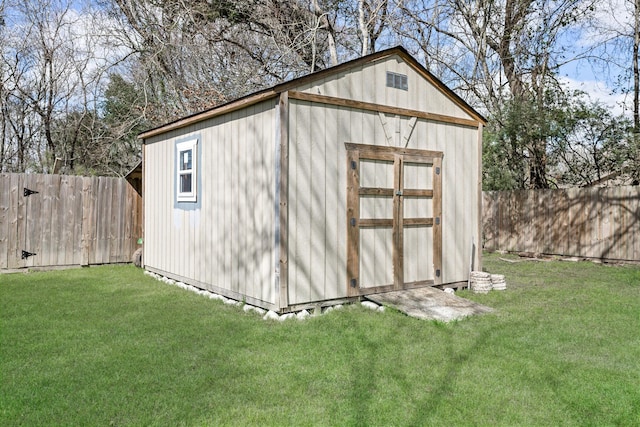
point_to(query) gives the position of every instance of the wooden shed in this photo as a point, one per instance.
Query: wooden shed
(358, 179)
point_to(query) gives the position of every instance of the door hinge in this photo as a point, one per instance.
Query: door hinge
(352, 221)
(437, 220)
(354, 283)
(437, 170)
(437, 273)
(27, 192)
(26, 254)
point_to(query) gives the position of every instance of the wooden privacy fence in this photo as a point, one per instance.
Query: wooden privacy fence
(582, 222)
(59, 220)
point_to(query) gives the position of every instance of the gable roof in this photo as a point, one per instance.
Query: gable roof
(276, 90)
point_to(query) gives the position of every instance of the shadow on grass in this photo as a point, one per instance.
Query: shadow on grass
(443, 390)
(382, 391)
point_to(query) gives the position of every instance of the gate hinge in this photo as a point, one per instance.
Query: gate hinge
(437, 170)
(27, 192)
(26, 254)
(437, 220)
(354, 283)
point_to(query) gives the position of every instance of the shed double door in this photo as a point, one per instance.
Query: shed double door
(394, 218)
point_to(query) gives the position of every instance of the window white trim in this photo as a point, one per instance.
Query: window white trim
(187, 171)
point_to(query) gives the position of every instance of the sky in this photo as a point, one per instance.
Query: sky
(581, 75)
(612, 17)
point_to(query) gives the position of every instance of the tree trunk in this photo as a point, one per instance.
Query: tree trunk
(364, 31)
(636, 70)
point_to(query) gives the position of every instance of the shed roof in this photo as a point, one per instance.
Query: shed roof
(276, 90)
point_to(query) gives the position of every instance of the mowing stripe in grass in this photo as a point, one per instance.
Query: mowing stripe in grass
(108, 345)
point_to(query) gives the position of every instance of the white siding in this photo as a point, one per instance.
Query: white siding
(317, 209)
(227, 244)
(367, 83)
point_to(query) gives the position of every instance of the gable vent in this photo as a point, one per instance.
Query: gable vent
(397, 81)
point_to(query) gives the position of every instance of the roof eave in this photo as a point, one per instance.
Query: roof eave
(276, 90)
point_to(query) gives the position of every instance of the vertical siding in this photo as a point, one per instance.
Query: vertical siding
(299, 205)
(335, 178)
(226, 244)
(459, 191)
(312, 221)
(318, 207)
(367, 83)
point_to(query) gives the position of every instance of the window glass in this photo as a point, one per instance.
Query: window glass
(185, 160)
(186, 171)
(185, 183)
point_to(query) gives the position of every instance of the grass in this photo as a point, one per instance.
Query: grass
(110, 346)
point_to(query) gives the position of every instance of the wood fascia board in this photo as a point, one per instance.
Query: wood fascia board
(264, 95)
(478, 242)
(143, 166)
(368, 106)
(282, 204)
(214, 112)
(319, 75)
(436, 206)
(296, 83)
(353, 216)
(406, 57)
(382, 152)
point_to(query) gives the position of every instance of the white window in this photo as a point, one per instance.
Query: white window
(186, 171)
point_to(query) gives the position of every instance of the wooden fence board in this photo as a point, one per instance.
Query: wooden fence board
(14, 222)
(634, 211)
(32, 203)
(5, 197)
(93, 223)
(117, 224)
(67, 200)
(546, 221)
(70, 221)
(47, 216)
(77, 224)
(87, 210)
(103, 211)
(579, 222)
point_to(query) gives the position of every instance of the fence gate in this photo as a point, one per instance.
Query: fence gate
(394, 218)
(58, 220)
(31, 194)
(20, 202)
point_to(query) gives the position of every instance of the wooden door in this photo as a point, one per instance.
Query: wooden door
(394, 218)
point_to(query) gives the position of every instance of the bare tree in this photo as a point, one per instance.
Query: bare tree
(372, 20)
(193, 55)
(499, 51)
(52, 68)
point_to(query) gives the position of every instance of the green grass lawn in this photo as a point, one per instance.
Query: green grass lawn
(111, 346)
